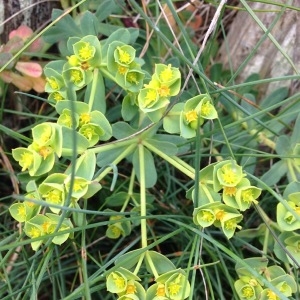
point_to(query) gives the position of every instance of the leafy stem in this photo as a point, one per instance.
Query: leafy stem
(94, 87)
(143, 196)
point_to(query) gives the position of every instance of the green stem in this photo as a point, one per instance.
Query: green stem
(151, 265)
(93, 89)
(143, 196)
(83, 257)
(114, 145)
(173, 160)
(130, 190)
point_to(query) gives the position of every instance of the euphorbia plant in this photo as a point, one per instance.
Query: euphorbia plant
(69, 157)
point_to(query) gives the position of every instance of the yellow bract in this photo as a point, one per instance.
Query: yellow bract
(166, 74)
(26, 161)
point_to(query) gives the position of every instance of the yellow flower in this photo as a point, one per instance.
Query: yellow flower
(131, 288)
(166, 74)
(164, 91)
(73, 60)
(220, 214)
(132, 78)
(207, 216)
(119, 281)
(150, 97)
(84, 118)
(22, 211)
(88, 132)
(56, 96)
(86, 52)
(229, 190)
(45, 151)
(174, 286)
(272, 296)
(191, 116)
(54, 196)
(26, 160)
(76, 76)
(206, 109)
(124, 56)
(53, 83)
(160, 291)
(230, 224)
(247, 292)
(228, 174)
(247, 196)
(34, 232)
(122, 70)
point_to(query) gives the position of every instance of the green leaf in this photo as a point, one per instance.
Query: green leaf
(171, 121)
(149, 167)
(166, 147)
(63, 29)
(129, 108)
(106, 158)
(258, 264)
(104, 9)
(122, 130)
(68, 136)
(283, 145)
(130, 259)
(89, 23)
(161, 263)
(85, 166)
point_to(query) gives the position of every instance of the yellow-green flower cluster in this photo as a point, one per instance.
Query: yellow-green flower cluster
(237, 196)
(39, 157)
(125, 67)
(288, 213)
(76, 72)
(172, 285)
(125, 284)
(119, 226)
(186, 118)
(154, 98)
(249, 287)
(92, 125)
